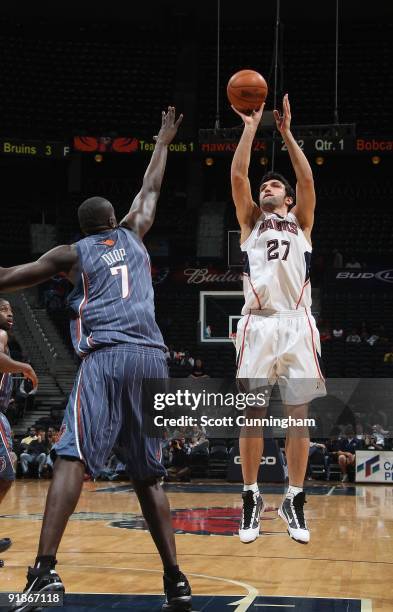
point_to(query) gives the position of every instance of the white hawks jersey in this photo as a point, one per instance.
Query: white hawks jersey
(277, 265)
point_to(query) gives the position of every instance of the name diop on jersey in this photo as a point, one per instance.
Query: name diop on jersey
(114, 256)
(280, 226)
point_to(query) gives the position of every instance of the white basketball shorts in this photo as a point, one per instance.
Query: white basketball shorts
(282, 347)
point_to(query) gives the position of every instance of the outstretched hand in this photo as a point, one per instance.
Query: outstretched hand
(283, 121)
(252, 120)
(29, 373)
(168, 126)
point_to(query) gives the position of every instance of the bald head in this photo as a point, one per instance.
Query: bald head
(96, 215)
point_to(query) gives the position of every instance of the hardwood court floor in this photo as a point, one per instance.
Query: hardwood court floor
(105, 547)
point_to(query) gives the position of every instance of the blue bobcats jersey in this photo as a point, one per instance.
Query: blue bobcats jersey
(113, 303)
(6, 384)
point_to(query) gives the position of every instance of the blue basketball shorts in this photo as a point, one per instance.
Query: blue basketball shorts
(105, 409)
(6, 469)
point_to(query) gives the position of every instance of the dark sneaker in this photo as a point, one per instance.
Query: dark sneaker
(5, 543)
(39, 580)
(292, 512)
(253, 506)
(177, 594)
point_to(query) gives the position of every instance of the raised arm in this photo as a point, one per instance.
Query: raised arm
(9, 365)
(247, 211)
(60, 259)
(305, 192)
(143, 209)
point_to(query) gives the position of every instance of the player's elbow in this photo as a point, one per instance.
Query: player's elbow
(238, 177)
(307, 181)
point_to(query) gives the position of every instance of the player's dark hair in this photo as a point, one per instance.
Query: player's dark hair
(289, 191)
(3, 301)
(94, 214)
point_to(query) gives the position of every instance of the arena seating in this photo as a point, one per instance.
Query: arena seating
(90, 83)
(85, 86)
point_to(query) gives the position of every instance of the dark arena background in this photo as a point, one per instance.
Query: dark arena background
(82, 88)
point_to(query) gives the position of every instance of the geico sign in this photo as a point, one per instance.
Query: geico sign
(384, 275)
(264, 460)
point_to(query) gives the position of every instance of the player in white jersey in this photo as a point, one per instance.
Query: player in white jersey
(277, 338)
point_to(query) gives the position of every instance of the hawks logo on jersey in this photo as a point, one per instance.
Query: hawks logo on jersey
(279, 226)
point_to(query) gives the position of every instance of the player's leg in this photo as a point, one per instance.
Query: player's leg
(146, 469)
(255, 359)
(86, 420)
(7, 474)
(342, 462)
(63, 495)
(251, 451)
(300, 380)
(156, 511)
(297, 447)
(5, 486)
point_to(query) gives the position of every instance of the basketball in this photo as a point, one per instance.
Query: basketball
(247, 90)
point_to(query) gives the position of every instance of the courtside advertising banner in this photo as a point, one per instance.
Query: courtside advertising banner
(374, 466)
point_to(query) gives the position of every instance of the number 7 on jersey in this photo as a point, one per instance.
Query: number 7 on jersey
(124, 279)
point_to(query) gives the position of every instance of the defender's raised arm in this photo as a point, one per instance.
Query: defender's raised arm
(143, 209)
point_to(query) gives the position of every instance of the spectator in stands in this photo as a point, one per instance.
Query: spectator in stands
(180, 355)
(370, 443)
(198, 370)
(347, 452)
(359, 429)
(179, 452)
(187, 360)
(333, 448)
(198, 442)
(338, 332)
(372, 339)
(51, 438)
(171, 353)
(353, 263)
(35, 454)
(353, 337)
(27, 392)
(319, 454)
(379, 434)
(324, 333)
(388, 357)
(338, 259)
(31, 435)
(208, 331)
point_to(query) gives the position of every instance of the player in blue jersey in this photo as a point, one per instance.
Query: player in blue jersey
(115, 333)
(8, 367)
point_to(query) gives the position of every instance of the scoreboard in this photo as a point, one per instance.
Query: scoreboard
(33, 148)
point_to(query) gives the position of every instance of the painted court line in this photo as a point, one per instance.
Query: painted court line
(242, 604)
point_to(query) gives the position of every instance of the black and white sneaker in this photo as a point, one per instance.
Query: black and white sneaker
(292, 512)
(253, 506)
(39, 580)
(177, 594)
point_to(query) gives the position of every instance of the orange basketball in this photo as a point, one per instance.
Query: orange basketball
(247, 90)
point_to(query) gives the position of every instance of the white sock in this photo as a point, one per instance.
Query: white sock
(252, 487)
(293, 491)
